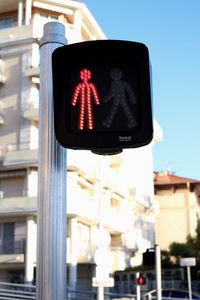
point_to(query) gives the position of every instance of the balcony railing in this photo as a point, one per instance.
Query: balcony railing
(22, 146)
(8, 22)
(15, 153)
(12, 247)
(16, 192)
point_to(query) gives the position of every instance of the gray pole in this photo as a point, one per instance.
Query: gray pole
(138, 292)
(51, 248)
(100, 288)
(189, 283)
(158, 272)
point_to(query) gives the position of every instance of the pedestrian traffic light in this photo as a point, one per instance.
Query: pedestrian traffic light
(141, 280)
(102, 95)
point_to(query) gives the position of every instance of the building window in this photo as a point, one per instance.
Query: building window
(7, 238)
(7, 22)
(48, 17)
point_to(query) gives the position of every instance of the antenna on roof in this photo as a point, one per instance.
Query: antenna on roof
(169, 168)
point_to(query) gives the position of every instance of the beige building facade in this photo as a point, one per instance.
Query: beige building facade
(179, 208)
(128, 205)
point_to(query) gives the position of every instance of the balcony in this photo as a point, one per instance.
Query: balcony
(15, 35)
(20, 153)
(81, 205)
(18, 205)
(85, 252)
(85, 255)
(85, 204)
(111, 221)
(18, 201)
(12, 247)
(12, 251)
(119, 258)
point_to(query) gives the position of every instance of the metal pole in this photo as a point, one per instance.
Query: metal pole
(51, 249)
(100, 292)
(158, 272)
(100, 288)
(189, 283)
(138, 292)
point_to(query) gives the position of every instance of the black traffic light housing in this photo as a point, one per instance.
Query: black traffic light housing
(102, 95)
(149, 257)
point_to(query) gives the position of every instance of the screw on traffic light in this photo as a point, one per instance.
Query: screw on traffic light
(141, 280)
(102, 95)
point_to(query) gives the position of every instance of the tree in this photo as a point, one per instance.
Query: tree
(191, 248)
(194, 243)
(178, 250)
(166, 259)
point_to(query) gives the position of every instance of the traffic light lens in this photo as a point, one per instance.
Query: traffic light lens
(85, 93)
(104, 99)
(141, 280)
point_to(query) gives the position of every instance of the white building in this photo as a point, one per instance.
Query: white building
(128, 206)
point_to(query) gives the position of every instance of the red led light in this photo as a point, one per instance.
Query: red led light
(87, 92)
(141, 280)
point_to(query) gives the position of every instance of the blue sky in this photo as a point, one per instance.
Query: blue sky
(171, 31)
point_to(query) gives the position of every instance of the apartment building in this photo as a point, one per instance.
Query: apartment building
(178, 199)
(127, 207)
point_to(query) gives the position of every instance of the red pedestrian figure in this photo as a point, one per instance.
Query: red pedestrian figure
(86, 91)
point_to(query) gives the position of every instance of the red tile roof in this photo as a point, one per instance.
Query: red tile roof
(165, 178)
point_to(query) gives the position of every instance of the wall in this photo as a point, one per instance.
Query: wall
(177, 217)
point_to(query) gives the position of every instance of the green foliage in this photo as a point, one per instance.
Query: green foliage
(194, 243)
(180, 250)
(189, 249)
(166, 259)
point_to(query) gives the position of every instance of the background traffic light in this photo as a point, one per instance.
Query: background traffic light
(102, 95)
(141, 280)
